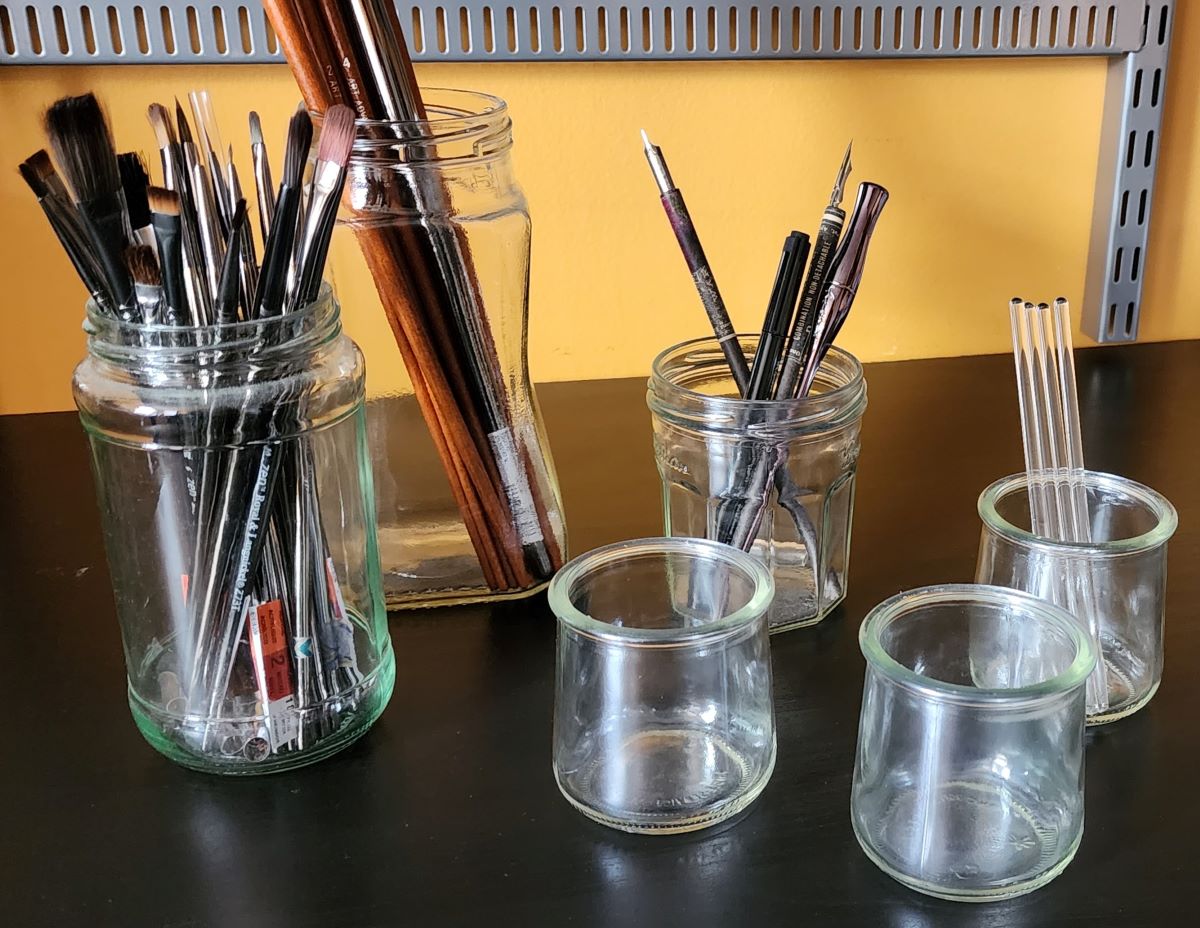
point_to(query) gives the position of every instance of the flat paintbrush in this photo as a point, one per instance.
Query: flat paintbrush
(147, 282)
(168, 234)
(83, 145)
(264, 185)
(37, 172)
(134, 181)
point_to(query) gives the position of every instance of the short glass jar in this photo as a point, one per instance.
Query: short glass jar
(775, 478)
(236, 503)
(432, 263)
(663, 713)
(968, 781)
(1115, 584)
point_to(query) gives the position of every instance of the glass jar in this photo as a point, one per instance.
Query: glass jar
(236, 503)
(1115, 584)
(663, 716)
(968, 781)
(772, 477)
(467, 499)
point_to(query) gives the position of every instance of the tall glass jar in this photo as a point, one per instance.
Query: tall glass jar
(235, 497)
(775, 478)
(435, 246)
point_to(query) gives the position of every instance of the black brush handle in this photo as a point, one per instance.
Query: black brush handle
(810, 301)
(272, 282)
(168, 235)
(105, 221)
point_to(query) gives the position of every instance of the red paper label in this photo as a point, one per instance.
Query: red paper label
(274, 650)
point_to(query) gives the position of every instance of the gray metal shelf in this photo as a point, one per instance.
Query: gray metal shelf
(1134, 34)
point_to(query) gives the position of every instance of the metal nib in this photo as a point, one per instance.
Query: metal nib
(658, 165)
(839, 187)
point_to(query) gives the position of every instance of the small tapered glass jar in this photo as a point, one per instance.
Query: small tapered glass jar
(235, 498)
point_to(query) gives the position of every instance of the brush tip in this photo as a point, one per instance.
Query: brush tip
(337, 135)
(256, 133)
(163, 201)
(645, 138)
(83, 145)
(31, 177)
(143, 265)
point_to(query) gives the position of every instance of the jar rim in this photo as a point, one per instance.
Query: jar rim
(896, 607)
(849, 397)
(489, 106)
(1166, 518)
(752, 610)
(117, 337)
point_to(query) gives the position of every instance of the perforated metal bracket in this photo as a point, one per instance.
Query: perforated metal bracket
(1135, 34)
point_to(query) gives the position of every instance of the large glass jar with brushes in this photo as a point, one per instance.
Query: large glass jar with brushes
(235, 496)
(434, 246)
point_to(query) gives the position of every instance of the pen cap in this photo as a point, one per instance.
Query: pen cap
(851, 255)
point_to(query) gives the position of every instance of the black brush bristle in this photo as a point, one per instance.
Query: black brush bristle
(83, 146)
(135, 181)
(300, 134)
(33, 179)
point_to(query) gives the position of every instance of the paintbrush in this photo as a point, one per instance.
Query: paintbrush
(147, 281)
(243, 239)
(43, 180)
(168, 234)
(83, 145)
(277, 255)
(134, 181)
(230, 282)
(264, 186)
(337, 140)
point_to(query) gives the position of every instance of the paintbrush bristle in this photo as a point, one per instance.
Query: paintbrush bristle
(337, 135)
(134, 181)
(33, 179)
(300, 132)
(162, 201)
(185, 130)
(143, 265)
(83, 145)
(160, 121)
(256, 135)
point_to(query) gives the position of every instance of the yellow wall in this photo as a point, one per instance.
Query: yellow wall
(991, 165)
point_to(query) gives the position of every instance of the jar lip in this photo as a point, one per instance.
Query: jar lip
(1165, 514)
(890, 610)
(800, 407)
(752, 610)
(163, 340)
(440, 112)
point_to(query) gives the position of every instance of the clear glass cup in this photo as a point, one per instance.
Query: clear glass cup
(431, 262)
(663, 716)
(775, 478)
(235, 498)
(968, 782)
(1116, 583)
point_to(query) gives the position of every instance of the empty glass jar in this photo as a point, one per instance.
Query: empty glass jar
(235, 497)
(432, 264)
(968, 782)
(663, 716)
(1115, 584)
(775, 478)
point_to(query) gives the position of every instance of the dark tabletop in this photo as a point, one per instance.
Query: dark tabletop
(447, 813)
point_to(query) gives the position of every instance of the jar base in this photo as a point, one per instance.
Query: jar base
(436, 599)
(171, 737)
(1029, 838)
(1122, 709)
(730, 791)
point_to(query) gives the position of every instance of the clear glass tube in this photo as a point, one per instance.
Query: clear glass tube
(663, 714)
(432, 262)
(968, 781)
(236, 503)
(1120, 574)
(712, 446)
